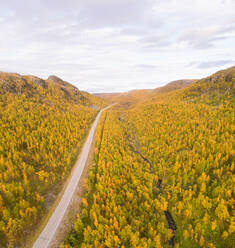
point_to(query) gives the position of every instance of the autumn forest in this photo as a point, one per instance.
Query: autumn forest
(164, 170)
(163, 165)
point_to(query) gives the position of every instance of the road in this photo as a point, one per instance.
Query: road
(49, 231)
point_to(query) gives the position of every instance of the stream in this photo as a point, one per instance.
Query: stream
(171, 223)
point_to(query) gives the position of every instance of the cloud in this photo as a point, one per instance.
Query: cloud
(90, 14)
(204, 37)
(115, 45)
(212, 64)
(146, 66)
(115, 13)
(155, 41)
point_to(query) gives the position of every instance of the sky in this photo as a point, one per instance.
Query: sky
(117, 45)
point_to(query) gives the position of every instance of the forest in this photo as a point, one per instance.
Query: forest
(164, 170)
(43, 124)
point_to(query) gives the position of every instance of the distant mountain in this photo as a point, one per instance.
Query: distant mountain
(133, 96)
(213, 89)
(174, 85)
(32, 86)
(106, 95)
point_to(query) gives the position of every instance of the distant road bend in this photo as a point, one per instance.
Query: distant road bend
(50, 229)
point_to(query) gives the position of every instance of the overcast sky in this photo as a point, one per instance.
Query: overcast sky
(117, 45)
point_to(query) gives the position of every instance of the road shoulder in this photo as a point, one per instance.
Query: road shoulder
(74, 206)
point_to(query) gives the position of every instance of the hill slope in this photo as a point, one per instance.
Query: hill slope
(164, 172)
(174, 85)
(42, 126)
(53, 87)
(213, 89)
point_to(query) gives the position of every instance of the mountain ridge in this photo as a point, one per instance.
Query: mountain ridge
(53, 86)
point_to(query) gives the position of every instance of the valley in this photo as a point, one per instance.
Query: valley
(163, 166)
(169, 152)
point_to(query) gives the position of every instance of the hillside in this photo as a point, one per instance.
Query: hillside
(174, 85)
(135, 96)
(43, 124)
(163, 174)
(213, 89)
(54, 87)
(106, 95)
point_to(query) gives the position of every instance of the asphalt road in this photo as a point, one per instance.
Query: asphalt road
(49, 231)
